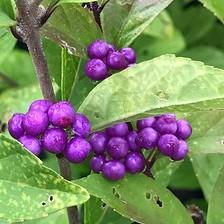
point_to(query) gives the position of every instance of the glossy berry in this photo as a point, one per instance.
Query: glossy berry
(129, 55)
(81, 125)
(41, 105)
(54, 140)
(99, 141)
(116, 61)
(134, 162)
(61, 114)
(147, 138)
(97, 163)
(98, 49)
(166, 124)
(181, 152)
(113, 170)
(77, 150)
(184, 129)
(118, 130)
(31, 144)
(168, 144)
(35, 122)
(15, 126)
(131, 137)
(146, 122)
(117, 148)
(96, 70)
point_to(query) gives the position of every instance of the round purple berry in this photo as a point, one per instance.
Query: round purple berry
(81, 125)
(99, 141)
(184, 129)
(15, 126)
(97, 163)
(41, 105)
(116, 61)
(98, 49)
(31, 144)
(117, 148)
(118, 130)
(131, 138)
(166, 124)
(181, 152)
(145, 123)
(147, 138)
(35, 122)
(77, 150)
(134, 162)
(129, 55)
(96, 70)
(61, 114)
(113, 170)
(168, 144)
(54, 140)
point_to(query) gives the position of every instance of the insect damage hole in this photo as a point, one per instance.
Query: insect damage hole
(51, 198)
(103, 205)
(43, 203)
(158, 201)
(115, 193)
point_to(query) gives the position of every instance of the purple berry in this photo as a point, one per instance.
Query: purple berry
(77, 150)
(15, 126)
(129, 54)
(168, 144)
(96, 70)
(98, 49)
(97, 163)
(145, 123)
(99, 142)
(166, 124)
(131, 137)
(41, 105)
(113, 170)
(184, 129)
(181, 152)
(35, 122)
(54, 140)
(61, 114)
(81, 125)
(118, 130)
(117, 148)
(147, 138)
(111, 48)
(134, 162)
(116, 61)
(31, 144)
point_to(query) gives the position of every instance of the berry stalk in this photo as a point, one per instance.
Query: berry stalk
(29, 22)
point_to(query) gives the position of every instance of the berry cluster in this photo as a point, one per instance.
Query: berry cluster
(104, 59)
(55, 127)
(118, 149)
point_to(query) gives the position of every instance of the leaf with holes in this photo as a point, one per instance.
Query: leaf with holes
(139, 198)
(28, 189)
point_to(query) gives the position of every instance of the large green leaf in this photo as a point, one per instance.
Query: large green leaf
(28, 189)
(132, 17)
(216, 6)
(73, 27)
(216, 203)
(139, 198)
(164, 84)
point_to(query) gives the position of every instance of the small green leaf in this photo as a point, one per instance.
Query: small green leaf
(139, 198)
(5, 20)
(28, 189)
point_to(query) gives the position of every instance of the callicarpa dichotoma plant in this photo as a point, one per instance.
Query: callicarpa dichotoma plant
(111, 111)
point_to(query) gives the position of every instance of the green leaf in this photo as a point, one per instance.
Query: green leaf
(74, 1)
(139, 198)
(164, 84)
(9, 8)
(216, 203)
(5, 20)
(132, 17)
(72, 27)
(31, 186)
(216, 6)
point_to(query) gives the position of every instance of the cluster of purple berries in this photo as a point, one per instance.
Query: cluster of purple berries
(104, 59)
(55, 127)
(118, 149)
